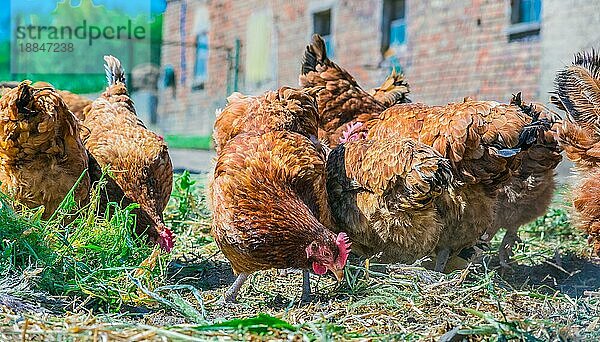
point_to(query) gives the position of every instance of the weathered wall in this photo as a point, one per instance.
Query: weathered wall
(569, 26)
(184, 110)
(454, 49)
(461, 48)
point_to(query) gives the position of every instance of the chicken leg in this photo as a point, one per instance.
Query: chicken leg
(305, 286)
(508, 241)
(232, 292)
(442, 259)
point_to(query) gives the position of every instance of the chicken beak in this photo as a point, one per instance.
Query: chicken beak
(339, 274)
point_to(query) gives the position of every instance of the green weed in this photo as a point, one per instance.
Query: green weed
(81, 252)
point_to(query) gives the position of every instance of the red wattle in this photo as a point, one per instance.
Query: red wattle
(166, 240)
(319, 269)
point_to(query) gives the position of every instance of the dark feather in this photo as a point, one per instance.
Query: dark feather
(315, 54)
(24, 99)
(578, 88)
(590, 61)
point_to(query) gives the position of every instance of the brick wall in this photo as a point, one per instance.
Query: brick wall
(182, 109)
(187, 111)
(569, 26)
(460, 48)
(454, 49)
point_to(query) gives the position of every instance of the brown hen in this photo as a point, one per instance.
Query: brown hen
(529, 192)
(383, 192)
(75, 102)
(578, 94)
(482, 140)
(41, 154)
(268, 194)
(139, 161)
(340, 100)
(284, 109)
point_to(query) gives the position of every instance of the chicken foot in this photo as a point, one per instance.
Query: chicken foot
(505, 252)
(232, 292)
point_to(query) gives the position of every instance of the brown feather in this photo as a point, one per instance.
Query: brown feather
(529, 192)
(139, 159)
(469, 134)
(382, 194)
(41, 153)
(262, 193)
(394, 90)
(340, 99)
(578, 94)
(285, 109)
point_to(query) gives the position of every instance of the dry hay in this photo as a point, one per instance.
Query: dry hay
(543, 298)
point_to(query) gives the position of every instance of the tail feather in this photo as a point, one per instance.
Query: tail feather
(590, 61)
(114, 71)
(315, 54)
(577, 89)
(25, 98)
(529, 135)
(556, 101)
(517, 100)
(533, 132)
(394, 90)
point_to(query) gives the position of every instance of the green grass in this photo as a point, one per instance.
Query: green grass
(97, 261)
(194, 142)
(78, 252)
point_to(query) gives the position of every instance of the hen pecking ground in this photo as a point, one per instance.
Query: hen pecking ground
(551, 293)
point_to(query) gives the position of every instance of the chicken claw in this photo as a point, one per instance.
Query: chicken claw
(505, 252)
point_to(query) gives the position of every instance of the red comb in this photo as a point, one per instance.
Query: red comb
(349, 134)
(343, 243)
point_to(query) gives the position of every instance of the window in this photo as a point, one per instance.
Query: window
(201, 45)
(525, 18)
(393, 26)
(260, 64)
(526, 11)
(322, 27)
(201, 64)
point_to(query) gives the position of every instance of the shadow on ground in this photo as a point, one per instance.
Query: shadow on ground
(571, 275)
(202, 273)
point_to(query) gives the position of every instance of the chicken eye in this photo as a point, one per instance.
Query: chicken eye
(313, 246)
